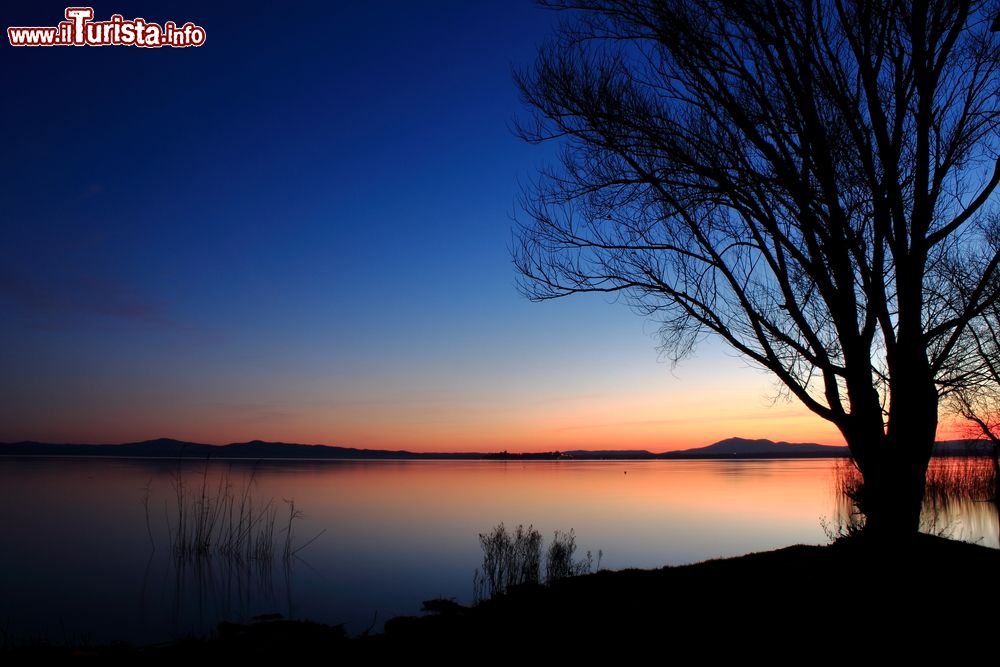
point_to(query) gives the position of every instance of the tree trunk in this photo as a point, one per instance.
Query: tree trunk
(894, 463)
(996, 471)
(891, 496)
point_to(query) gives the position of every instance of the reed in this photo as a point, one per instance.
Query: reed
(969, 477)
(515, 559)
(227, 519)
(508, 560)
(560, 560)
(949, 479)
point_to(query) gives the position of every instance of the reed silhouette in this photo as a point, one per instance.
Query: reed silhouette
(951, 482)
(515, 559)
(224, 517)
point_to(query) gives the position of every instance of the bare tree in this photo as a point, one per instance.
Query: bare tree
(809, 180)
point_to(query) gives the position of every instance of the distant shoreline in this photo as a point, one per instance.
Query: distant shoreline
(168, 449)
(483, 459)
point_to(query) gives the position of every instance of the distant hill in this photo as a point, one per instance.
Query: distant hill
(167, 448)
(962, 448)
(742, 447)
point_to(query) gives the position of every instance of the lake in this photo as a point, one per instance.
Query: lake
(87, 550)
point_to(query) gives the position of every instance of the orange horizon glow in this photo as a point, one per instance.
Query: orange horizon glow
(293, 300)
(464, 402)
(583, 422)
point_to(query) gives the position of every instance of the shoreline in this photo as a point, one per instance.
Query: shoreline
(806, 594)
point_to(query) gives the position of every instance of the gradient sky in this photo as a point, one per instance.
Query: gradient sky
(300, 232)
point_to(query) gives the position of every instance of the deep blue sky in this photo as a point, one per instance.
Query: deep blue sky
(300, 231)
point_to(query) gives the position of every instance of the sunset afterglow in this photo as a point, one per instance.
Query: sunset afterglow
(346, 282)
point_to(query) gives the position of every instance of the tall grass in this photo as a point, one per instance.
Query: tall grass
(559, 561)
(951, 477)
(949, 480)
(509, 559)
(968, 477)
(224, 518)
(514, 559)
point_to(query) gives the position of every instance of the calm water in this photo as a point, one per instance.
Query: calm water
(80, 561)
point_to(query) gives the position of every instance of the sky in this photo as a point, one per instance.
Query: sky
(300, 231)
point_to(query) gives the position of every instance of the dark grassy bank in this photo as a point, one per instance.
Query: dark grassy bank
(810, 602)
(831, 598)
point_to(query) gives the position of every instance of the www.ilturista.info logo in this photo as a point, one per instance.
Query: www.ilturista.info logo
(79, 29)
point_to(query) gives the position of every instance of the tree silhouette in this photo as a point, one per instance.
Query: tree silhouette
(809, 180)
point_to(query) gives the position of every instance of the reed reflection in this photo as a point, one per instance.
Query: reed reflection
(961, 500)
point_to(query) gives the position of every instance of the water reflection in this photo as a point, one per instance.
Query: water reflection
(228, 553)
(77, 535)
(960, 502)
(201, 592)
